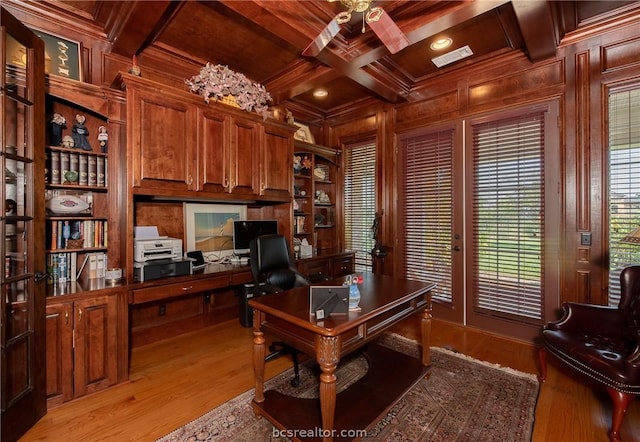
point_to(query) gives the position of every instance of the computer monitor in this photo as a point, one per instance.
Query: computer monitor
(245, 230)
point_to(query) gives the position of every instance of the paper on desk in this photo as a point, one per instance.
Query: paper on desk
(145, 232)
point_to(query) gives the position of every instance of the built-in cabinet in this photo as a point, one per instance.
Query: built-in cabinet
(327, 266)
(316, 207)
(182, 146)
(86, 323)
(82, 345)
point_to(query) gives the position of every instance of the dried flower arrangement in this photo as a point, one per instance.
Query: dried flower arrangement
(218, 81)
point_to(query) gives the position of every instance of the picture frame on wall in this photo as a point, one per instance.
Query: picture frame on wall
(209, 228)
(62, 56)
(303, 133)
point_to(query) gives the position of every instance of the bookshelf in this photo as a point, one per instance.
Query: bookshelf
(76, 194)
(316, 194)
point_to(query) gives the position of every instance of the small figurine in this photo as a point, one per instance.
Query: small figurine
(67, 141)
(10, 207)
(79, 133)
(58, 122)
(103, 138)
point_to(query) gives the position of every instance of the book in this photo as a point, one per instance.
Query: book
(100, 178)
(92, 170)
(54, 171)
(83, 171)
(64, 165)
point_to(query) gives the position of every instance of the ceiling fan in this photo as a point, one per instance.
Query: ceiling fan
(384, 27)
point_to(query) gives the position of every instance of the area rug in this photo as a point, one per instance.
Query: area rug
(462, 399)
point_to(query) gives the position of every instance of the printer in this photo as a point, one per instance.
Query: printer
(162, 247)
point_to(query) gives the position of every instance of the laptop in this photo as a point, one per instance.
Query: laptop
(327, 300)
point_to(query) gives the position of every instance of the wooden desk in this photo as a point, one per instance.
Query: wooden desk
(384, 302)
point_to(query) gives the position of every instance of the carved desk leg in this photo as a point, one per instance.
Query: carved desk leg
(425, 323)
(327, 355)
(258, 357)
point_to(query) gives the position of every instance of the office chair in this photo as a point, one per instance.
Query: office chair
(273, 271)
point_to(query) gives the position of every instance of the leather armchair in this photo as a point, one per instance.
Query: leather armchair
(273, 271)
(603, 343)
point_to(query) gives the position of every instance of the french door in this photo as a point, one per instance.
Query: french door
(22, 315)
(480, 217)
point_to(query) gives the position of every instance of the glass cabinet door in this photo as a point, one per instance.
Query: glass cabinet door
(22, 308)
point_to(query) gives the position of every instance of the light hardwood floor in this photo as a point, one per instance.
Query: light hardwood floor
(174, 381)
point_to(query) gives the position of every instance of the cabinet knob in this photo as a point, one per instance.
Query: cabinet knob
(226, 183)
(190, 180)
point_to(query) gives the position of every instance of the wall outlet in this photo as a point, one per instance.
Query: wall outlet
(585, 239)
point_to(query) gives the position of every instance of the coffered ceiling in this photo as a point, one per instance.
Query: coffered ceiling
(265, 39)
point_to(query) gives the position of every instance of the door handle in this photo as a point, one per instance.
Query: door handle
(39, 276)
(456, 248)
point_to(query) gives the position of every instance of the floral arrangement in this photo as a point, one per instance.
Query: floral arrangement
(218, 81)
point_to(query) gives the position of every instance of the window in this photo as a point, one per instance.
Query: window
(426, 162)
(508, 217)
(360, 201)
(624, 183)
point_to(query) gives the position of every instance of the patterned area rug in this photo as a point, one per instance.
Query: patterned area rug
(462, 399)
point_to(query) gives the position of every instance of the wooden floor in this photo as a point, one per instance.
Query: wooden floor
(175, 381)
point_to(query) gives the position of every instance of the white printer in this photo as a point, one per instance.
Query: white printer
(162, 247)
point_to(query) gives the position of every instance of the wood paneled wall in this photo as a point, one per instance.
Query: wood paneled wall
(586, 67)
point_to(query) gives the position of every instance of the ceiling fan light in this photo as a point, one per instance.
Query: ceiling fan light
(441, 43)
(320, 93)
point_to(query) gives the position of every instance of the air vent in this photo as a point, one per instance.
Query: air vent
(452, 56)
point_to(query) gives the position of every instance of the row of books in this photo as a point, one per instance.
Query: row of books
(86, 169)
(65, 267)
(78, 234)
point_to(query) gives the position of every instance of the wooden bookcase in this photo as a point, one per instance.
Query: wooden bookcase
(317, 205)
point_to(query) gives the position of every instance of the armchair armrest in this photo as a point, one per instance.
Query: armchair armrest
(589, 319)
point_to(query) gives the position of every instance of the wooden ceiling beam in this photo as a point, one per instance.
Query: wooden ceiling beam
(139, 24)
(538, 29)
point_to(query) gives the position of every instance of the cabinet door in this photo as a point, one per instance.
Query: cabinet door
(276, 165)
(163, 139)
(95, 360)
(244, 157)
(213, 152)
(342, 266)
(59, 353)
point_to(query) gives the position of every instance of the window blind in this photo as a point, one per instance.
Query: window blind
(428, 209)
(508, 215)
(360, 201)
(624, 184)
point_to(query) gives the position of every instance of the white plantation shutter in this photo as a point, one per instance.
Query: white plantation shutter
(360, 201)
(426, 162)
(624, 183)
(508, 217)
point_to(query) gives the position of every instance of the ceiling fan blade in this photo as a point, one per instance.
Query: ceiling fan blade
(387, 30)
(322, 39)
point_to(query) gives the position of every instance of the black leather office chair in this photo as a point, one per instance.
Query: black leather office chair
(274, 271)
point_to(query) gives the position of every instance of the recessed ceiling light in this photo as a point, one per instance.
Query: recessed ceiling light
(441, 43)
(320, 93)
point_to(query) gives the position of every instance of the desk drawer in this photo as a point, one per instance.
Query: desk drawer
(178, 289)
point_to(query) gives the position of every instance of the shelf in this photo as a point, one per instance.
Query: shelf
(81, 250)
(324, 226)
(77, 187)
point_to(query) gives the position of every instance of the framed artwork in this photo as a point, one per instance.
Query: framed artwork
(209, 228)
(62, 56)
(303, 133)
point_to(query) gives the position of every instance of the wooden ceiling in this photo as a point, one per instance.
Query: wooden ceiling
(265, 39)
